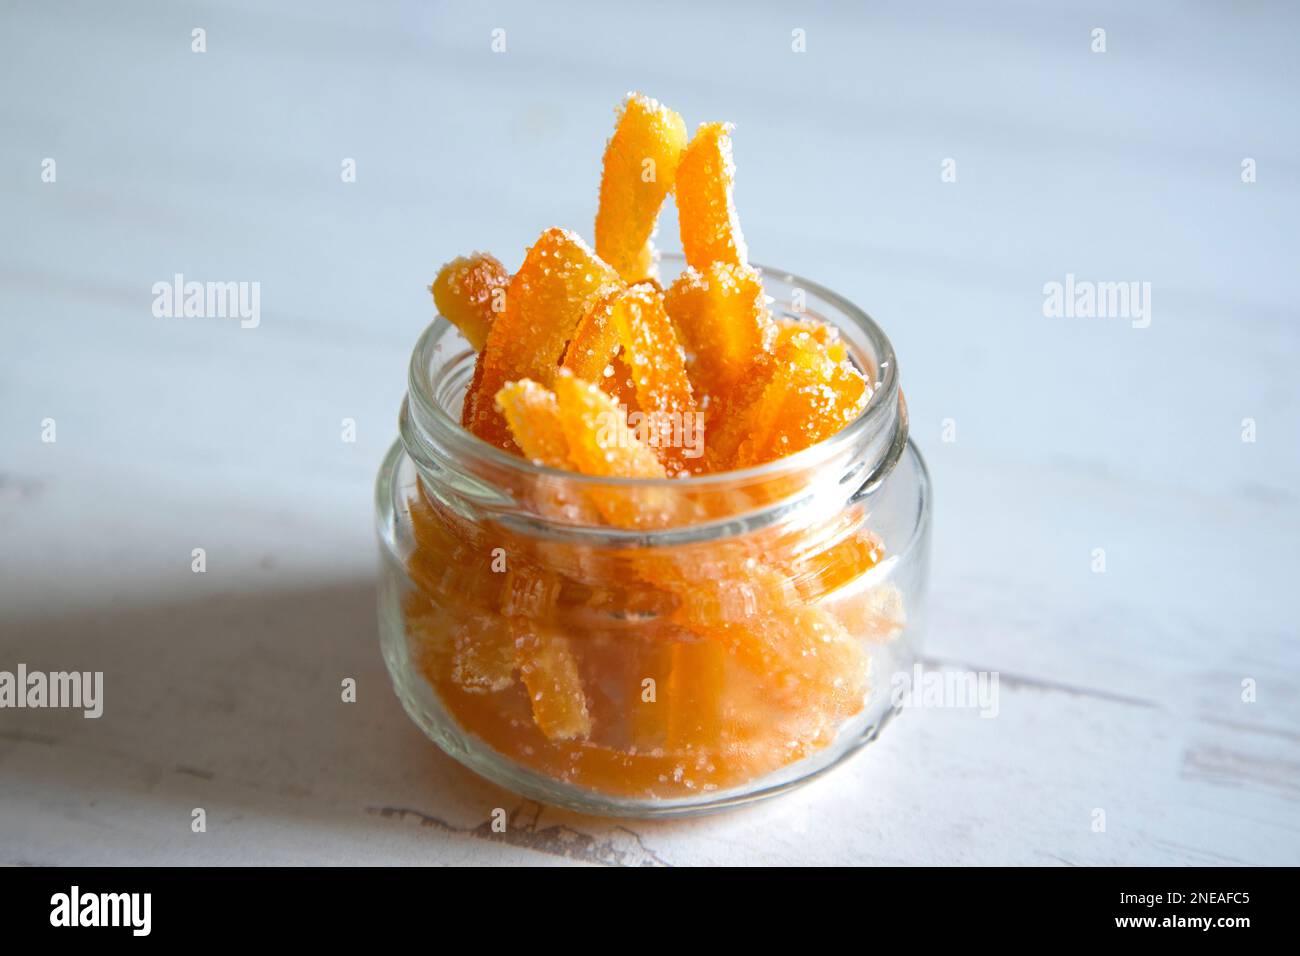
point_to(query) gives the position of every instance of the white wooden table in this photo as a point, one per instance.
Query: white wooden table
(1121, 691)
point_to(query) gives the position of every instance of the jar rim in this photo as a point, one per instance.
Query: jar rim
(883, 408)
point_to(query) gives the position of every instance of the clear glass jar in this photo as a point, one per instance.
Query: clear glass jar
(729, 652)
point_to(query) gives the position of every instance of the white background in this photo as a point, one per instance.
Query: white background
(1120, 692)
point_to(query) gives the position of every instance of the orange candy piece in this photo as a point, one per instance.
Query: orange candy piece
(639, 168)
(827, 569)
(710, 227)
(577, 427)
(602, 445)
(824, 335)
(469, 292)
(550, 673)
(802, 349)
(592, 423)
(635, 320)
(804, 653)
(534, 421)
(530, 592)
(804, 397)
(594, 354)
(551, 291)
(448, 557)
(806, 674)
(652, 352)
(592, 431)
(594, 341)
(483, 654)
(696, 691)
(647, 713)
(721, 315)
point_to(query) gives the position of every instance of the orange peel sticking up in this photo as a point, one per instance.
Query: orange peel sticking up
(706, 209)
(639, 168)
(469, 292)
(551, 291)
(594, 353)
(594, 341)
(720, 313)
(635, 320)
(652, 352)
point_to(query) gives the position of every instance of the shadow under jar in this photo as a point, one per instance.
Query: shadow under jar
(741, 641)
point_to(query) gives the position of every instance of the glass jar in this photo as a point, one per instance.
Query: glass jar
(736, 646)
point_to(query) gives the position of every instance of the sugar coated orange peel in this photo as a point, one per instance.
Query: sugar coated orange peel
(559, 277)
(639, 169)
(706, 207)
(470, 292)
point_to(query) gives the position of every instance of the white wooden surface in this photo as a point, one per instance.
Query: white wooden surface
(1120, 691)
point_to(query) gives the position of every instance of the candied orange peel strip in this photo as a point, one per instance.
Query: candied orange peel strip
(838, 558)
(809, 658)
(804, 397)
(639, 168)
(720, 313)
(597, 441)
(648, 704)
(696, 691)
(483, 654)
(589, 353)
(550, 672)
(706, 208)
(534, 421)
(551, 291)
(634, 319)
(827, 336)
(652, 352)
(469, 292)
(591, 422)
(602, 444)
(449, 556)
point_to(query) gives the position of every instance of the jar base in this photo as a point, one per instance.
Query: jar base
(421, 705)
